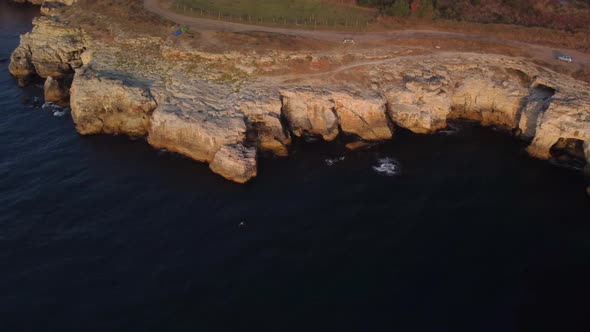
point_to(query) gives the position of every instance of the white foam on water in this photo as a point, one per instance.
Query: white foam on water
(450, 130)
(388, 166)
(55, 109)
(334, 161)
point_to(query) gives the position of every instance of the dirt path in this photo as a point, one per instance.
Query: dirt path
(536, 52)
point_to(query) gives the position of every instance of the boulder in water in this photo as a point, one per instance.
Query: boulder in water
(357, 145)
(57, 90)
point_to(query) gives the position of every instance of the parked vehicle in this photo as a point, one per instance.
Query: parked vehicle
(348, 41)
(565, 58)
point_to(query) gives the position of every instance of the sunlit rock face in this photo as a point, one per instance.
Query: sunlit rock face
(310, 113)
(181, 101)
(108, 105)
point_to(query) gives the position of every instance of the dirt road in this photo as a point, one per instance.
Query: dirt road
(537, 52)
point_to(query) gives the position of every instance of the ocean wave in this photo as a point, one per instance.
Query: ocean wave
(334, 161)
(388, 166)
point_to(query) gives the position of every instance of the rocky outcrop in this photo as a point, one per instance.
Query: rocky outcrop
(310, 113)
(363, 116)
(57, 90)
(107, 105)
(262, 108)
(218, 141)
(420, 102)
(210, 110)
(51, 49)
(567, 117)
(235, 162)
(488, 100)
(192, 133)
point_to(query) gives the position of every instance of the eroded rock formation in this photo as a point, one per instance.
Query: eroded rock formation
(107, 105)
(363, 116)
(262, 108)
(51, 50)
(175, 98)
(310, 112)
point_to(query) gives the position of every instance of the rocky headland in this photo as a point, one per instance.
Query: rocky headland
(225, 107)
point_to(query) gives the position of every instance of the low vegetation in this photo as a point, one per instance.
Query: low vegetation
(570, 15)
(304, 13)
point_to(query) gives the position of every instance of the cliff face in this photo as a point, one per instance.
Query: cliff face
(52, 51)
(108, 105)
(143, 86)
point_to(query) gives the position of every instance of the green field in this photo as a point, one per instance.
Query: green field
(304, 13)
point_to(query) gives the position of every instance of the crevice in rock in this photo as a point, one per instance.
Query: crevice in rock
(532, 109)
(283, 119)
(252, 136)
(390, 122)
(358, 116)
(336, 125)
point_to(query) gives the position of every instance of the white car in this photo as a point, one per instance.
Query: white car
(348, 41)
(565, 58)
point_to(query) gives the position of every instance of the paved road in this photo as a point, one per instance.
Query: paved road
(536, 51)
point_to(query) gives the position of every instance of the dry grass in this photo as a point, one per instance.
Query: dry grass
(549, 37)
(272, 41)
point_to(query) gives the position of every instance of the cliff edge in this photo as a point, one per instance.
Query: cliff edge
(224, 107)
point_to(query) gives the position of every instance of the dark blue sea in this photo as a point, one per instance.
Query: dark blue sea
(104, 233)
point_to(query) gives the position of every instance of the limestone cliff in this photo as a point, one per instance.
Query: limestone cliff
(52, 50)
(108, 105)
(222, 109)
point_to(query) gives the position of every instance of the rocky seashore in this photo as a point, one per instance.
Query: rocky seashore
(225, 107)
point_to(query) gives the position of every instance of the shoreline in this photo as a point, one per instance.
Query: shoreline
(224, 108)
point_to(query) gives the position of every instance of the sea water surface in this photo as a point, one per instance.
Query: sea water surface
(425, 233)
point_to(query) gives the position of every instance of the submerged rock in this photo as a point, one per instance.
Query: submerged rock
(357, 145)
